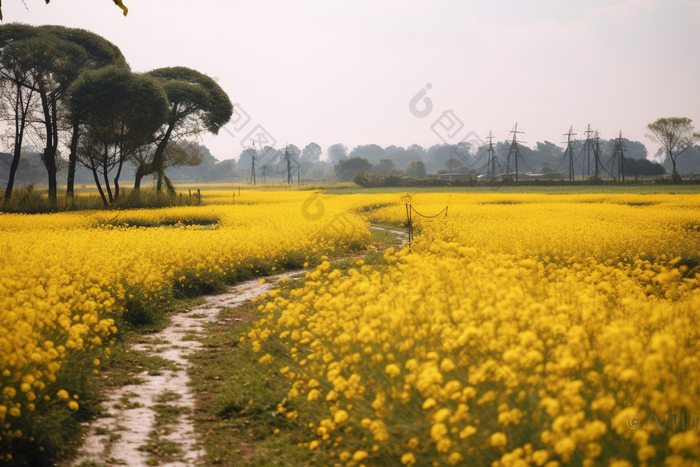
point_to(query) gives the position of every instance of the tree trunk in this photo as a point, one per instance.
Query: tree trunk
(99, 186)
(116, 180)
(50, 125)
(169, 185)
(72, 158)
(140, 172)
(13, 169)
(673, 161)
(105, 173)
(21, 109)
(156, 164)
(50, 162)
(19, 135)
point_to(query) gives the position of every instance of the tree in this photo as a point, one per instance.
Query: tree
(440, 155)
(547, 152)
(634, 167)
(53, 64)
(197, 104)
(184, 154)
(337, 153)
(55, 56)
(416, 169)
(348, 168)
(99, 53)
(372, 152)
(118, 113)
(453, 164)
(200, 162)
(675, 135)
(418, 149)
(390, 150)
(384, 167)
(403, 157)
(18, 103)
(116, 2)
(311, 153)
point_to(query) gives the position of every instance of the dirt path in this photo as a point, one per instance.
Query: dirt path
(132, 434)
(400, 234)
(150, 423)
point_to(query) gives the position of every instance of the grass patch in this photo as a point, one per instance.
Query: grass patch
(125, 403)
(237, 415)
(237, 399)
(163, 450)
(198, 315)
(125, 365)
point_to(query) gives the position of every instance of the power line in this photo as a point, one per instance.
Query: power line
(514, 149)
(570, 152)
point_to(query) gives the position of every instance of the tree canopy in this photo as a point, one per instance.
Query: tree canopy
(348, 168)
(197, 104)
(118, 113)
(54, 57)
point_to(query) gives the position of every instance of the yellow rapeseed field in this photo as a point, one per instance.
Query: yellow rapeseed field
(520, 330)
(67, 280)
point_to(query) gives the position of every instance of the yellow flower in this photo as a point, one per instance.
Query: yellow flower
(359, 455)
(429, 403)
(498, 439)
(340, 416)
(392, 370)
(437, 431)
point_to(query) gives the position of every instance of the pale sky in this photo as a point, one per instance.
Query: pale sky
(345, 71)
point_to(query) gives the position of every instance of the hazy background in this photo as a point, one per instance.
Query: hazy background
(344, 71)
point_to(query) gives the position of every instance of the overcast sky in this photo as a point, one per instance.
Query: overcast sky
(346, 71)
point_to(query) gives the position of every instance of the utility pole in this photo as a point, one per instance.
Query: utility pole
(288, 159)
(253, 153)
(514, 149)
(570, 152)
(619, 158)
(596, 154)
(588, 152)
(289, 166)
(491, 168)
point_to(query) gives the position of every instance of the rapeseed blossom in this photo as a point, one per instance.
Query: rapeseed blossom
(67, 280)
(521, 330)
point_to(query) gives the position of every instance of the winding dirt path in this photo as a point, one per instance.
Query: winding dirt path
(131, 434)
(123, 436)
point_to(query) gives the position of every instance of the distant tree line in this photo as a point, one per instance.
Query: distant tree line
(341, 164)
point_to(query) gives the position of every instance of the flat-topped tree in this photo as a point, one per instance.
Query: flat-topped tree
(117, 113)
(675, 135)
(55, 56)
(197, 104)
(99, 53)
(55, 63)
